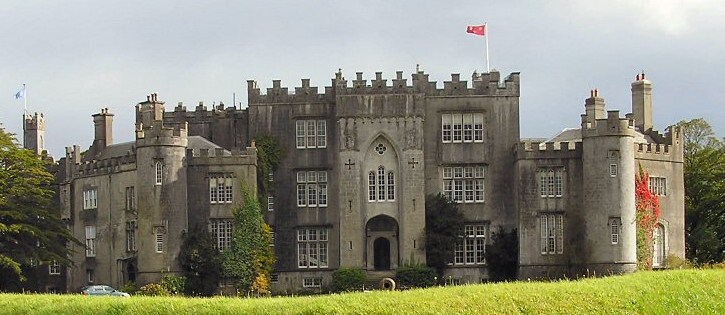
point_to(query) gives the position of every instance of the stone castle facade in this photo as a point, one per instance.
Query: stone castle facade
(359, 160)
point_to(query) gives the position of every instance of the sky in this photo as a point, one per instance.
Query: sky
(77, 57)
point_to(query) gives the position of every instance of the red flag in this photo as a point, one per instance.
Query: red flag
(479, 30)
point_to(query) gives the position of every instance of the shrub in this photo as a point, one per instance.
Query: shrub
(348, 279)
(674, 262)
(173, 284)
(502, 256)
(153, 289)
(129, 287)
(416, 276)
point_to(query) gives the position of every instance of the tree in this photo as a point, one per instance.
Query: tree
(31, 231)
(704, 193)
(502, 255)
(250, 259)
(201, 262)
(647, 207)
(444, 224)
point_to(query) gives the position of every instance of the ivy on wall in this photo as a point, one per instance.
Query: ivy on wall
(647, 207)
(269, 154)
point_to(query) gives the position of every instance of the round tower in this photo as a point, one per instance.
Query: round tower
(162, 186)
(608, 207)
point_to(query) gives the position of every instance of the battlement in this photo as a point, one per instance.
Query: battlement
(653, 148)
(482, 84)
(158, 134)
(34, 122)
(105, 166)
(548, 150)
(612, 125)
(220, 156)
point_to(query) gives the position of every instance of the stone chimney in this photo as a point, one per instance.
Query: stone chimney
(642, 103)
(103, 125)
(594, 106)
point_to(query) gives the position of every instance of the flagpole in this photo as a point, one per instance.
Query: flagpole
(485, 27)
(25, 101)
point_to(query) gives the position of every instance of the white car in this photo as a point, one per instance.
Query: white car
(99, 290)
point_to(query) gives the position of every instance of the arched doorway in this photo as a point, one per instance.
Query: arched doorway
(381, 254)
(382, 243)
(131, 272)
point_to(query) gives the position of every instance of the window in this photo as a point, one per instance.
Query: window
(270, 203)
(551, 182)
(312, 189)
(90, 199)
(613, 170)
(90, 241)
(274, 278)
(658, 185)
(54, 268)
(311, 134)
(221, 188)
(130, 198)
(221, 233)
(552, 233)
(660, 249)
(464, 183)
(131, 236)
(159, 172)
(312, 282)
(462, 128)
(159, 239)
(381, 185)
(90, 275)
(312, 248)
(471, 249)
(615, 225)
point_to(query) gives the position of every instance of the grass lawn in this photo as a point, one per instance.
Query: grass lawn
(661, 292)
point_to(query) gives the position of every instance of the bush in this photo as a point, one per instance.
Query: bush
(174, 285)
(153, 289)
(129, 287)
(416, 276)
(674, 262)
(502, 256)
(348, 279)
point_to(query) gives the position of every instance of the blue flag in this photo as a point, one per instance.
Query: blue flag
(20, 93)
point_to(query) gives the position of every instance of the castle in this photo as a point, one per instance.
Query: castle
(360, 159)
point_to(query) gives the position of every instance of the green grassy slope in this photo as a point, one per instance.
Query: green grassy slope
(665, 292)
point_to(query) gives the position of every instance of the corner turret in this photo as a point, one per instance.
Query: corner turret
(34, 132)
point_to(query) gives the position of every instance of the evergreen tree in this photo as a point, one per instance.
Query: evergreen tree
(202, 263)
(31, 231)
(444, 224)
(250, 259)
(502, 255)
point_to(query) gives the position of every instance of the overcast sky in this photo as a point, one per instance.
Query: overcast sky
(77, 57)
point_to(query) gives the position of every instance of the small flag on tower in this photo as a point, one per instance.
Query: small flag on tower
(20, 93)
(479, 30)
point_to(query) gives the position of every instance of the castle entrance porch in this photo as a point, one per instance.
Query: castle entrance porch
(382, 243)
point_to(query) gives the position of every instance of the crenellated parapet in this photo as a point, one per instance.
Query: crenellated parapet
(488, 84)
(33, 122)
(220, 156)
(159, 135)
(105, 166)
(548, 150)
(612, 125)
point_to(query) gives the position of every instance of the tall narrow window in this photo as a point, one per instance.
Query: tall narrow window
(478, 127)
(381, 183)
(457, 126)
(552, 233)
(90, 241)
(130, 198)
(321, 134)
(131, 236)
(159, 242)
(300, 132)
(614, 225)
(446, 128)
(270, 203)
(391, 186)
(660, 249)
(159, 172)
(372, 188)
(311, 136)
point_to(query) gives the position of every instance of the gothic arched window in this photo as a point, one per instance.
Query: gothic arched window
(159, 172)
